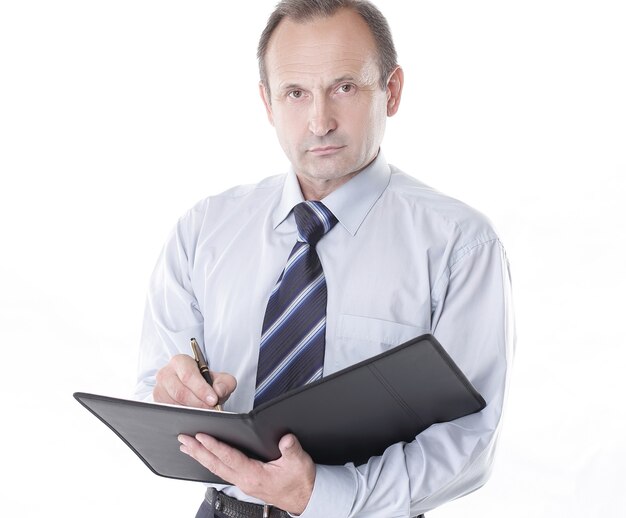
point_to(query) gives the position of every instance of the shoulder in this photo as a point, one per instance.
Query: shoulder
(448, 228)
(446, 215)
(238, 200)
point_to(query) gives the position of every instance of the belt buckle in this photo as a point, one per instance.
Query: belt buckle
(266, 510)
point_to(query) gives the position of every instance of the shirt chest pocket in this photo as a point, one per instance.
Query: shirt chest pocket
(359, 338)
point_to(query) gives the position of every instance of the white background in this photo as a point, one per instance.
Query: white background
(117, 116)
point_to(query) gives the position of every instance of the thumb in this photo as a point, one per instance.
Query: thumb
(224, 384)
(289, 446)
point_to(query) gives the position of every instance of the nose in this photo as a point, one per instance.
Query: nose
(321, 119)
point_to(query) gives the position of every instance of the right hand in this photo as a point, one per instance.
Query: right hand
(180, 383)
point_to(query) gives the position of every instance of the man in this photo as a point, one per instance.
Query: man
(393, 259)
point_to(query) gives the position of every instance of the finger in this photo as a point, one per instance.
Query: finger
(287, 443)
(247, 474)
(224, 385)
(192, 447)
(160, 395)
(229, 456)
(181, 394)
(172, 386)
(195, 391)
(202, 452)
(290, 447)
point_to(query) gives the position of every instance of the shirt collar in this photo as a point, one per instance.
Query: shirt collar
(350, 203)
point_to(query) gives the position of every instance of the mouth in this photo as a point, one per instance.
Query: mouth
(325, 150)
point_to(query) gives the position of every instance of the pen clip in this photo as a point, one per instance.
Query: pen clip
(196, 350)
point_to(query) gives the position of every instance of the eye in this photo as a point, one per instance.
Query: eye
(345, 88)
(295, 94)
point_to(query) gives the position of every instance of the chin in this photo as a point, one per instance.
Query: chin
(328, 169)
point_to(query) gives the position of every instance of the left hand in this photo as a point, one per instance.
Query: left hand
(286, 482)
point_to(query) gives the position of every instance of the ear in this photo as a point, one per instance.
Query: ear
(394, 91)
(265, 97)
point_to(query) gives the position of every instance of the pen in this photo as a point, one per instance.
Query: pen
(204, 370)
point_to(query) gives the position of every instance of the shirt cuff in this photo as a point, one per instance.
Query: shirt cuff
(334, 491)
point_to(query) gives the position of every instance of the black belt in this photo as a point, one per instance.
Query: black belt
(233, 508)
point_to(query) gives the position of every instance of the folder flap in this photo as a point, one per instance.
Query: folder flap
(349, 416)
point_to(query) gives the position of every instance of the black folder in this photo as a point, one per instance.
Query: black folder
(349, 416)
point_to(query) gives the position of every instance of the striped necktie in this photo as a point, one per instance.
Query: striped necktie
(294, 328)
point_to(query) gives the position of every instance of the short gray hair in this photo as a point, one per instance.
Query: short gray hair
(307, 10)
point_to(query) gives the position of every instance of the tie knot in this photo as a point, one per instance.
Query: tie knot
(313, 220)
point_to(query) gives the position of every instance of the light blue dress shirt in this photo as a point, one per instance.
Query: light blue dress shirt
(403, 260)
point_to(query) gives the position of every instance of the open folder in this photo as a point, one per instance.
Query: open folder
(349, 416)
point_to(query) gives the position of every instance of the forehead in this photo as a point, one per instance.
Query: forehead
(339, 45)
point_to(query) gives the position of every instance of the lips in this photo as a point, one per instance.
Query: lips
(325, 150)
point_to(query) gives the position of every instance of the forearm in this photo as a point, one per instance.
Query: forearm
(171, 317)
(472, 319)
(445, 462)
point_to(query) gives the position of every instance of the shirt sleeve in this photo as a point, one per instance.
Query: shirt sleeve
(172, 316)
(472, 319)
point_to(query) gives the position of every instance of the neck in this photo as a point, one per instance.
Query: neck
(315, 189)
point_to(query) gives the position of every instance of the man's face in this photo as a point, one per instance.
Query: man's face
(326, 102)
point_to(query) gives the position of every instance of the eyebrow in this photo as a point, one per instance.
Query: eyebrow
(289, 86)
(297, 86)
(344, 78)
